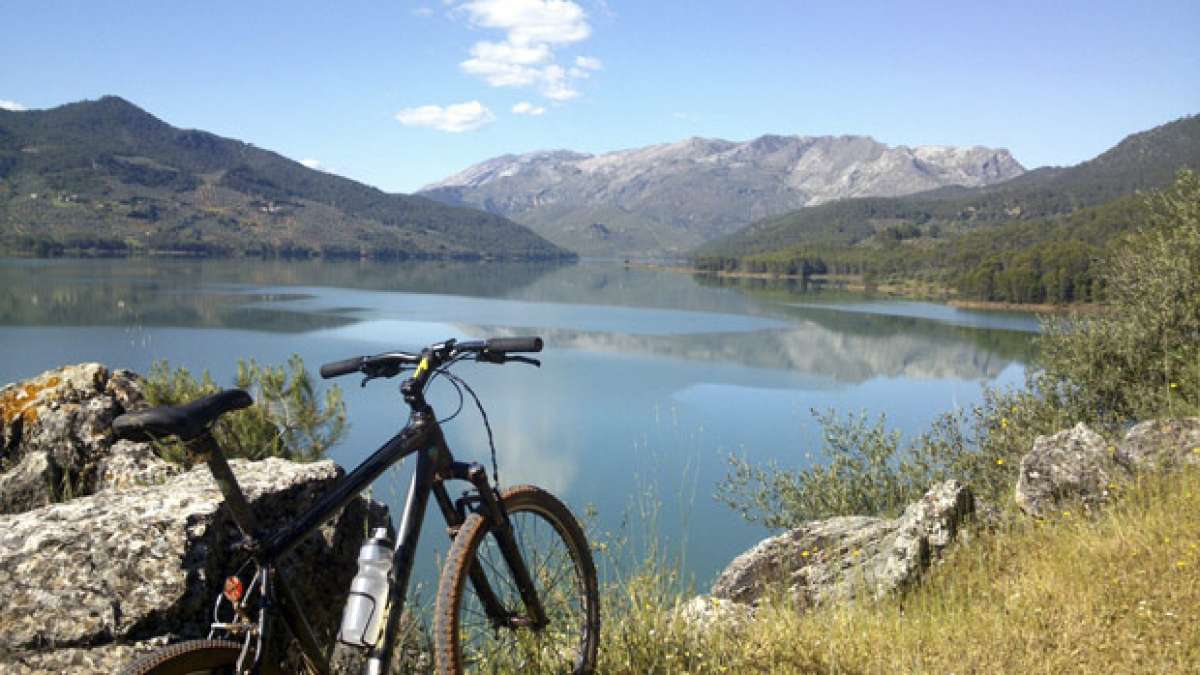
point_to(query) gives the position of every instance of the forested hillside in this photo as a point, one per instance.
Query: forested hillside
(107, 177)
(1036, 238)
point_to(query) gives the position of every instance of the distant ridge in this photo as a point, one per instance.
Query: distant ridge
(107, 177)
(1141, 161)
(666, 199)
(1042, 238)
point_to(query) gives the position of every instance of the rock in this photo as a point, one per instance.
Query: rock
(105, 659)
(29, 484)
(1072, 465)
(55, 431)
(1161, 444)
(102, 572)
(130, 464)
(841, 558)
(704, 612)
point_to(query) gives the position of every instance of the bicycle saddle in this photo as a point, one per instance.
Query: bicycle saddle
(186, 421)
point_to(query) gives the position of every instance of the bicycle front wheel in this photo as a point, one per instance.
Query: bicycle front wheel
(556, 553)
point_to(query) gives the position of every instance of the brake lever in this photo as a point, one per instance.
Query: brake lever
(384, 372)
(500, 358)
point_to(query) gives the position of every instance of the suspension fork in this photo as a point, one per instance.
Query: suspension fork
(502, 529)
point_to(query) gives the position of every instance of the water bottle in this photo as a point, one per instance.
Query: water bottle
(362, 619)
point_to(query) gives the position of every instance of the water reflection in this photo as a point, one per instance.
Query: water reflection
(935, 352)
(219, 293)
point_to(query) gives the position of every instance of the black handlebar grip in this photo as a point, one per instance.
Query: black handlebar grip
(339, 368)
(515, 344)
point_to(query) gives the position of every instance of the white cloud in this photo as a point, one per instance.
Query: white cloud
(11, 105)
(455, 118)
(503, 64)
(531, 21)
(507, 52)
(527, 108)
(311, 163)
(533, 29)
(556, 85)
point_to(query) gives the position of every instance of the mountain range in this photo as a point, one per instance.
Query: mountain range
(107, 177)
(666, 199)
(1142, 161)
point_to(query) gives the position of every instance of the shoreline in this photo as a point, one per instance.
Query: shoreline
(856, 283)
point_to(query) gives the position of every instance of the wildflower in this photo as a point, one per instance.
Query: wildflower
(999, 462)
(1066, 514)
(804, 553)
(1174, 385)
(1181, 564)
(1003, 422)
(1196, 450)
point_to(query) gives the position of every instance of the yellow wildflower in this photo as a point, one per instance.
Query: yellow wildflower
(1000, 462)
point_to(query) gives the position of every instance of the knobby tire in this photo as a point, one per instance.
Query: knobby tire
(562, 568)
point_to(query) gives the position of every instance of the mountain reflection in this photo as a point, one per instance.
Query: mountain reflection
(220, 293)
(935, 352)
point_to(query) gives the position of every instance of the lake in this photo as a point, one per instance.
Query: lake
(650, 379)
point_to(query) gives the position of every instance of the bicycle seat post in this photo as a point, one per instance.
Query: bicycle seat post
(207, 448)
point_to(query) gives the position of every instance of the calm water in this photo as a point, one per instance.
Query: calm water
(650, 379)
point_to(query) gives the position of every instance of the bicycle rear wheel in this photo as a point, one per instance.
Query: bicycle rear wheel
(194, 657)
(556, 552)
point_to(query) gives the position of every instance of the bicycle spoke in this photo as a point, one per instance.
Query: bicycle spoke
(557, 580)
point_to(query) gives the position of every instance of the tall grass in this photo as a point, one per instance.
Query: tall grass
(1114, 593)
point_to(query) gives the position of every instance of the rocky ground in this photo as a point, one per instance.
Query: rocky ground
(134, 553)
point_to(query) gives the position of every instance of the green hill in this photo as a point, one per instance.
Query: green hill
(1035, 238)
(107, 177)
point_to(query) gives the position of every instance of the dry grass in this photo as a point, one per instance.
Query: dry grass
(1119, 592)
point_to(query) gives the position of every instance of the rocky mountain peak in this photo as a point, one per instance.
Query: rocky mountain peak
(669, 197)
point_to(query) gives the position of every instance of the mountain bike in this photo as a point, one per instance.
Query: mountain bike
(517, 591)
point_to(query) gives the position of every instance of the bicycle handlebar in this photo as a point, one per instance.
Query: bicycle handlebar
(339, 368)
(389, 364)
(501, 345)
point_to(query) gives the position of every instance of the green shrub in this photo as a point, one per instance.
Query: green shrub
(865, 469)
(1140, 357)
(287, 419)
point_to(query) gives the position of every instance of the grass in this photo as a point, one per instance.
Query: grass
(1114, 593)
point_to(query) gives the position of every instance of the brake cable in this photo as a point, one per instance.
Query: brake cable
(458, 381)
(444, 370)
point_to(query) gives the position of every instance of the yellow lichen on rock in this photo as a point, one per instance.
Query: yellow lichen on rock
(23, 400)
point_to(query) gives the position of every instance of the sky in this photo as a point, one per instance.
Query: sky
(402, 94)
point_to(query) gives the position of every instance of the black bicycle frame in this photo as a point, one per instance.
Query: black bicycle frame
(435, 464)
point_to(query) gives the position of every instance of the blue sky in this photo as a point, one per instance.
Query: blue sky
(400, 94)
